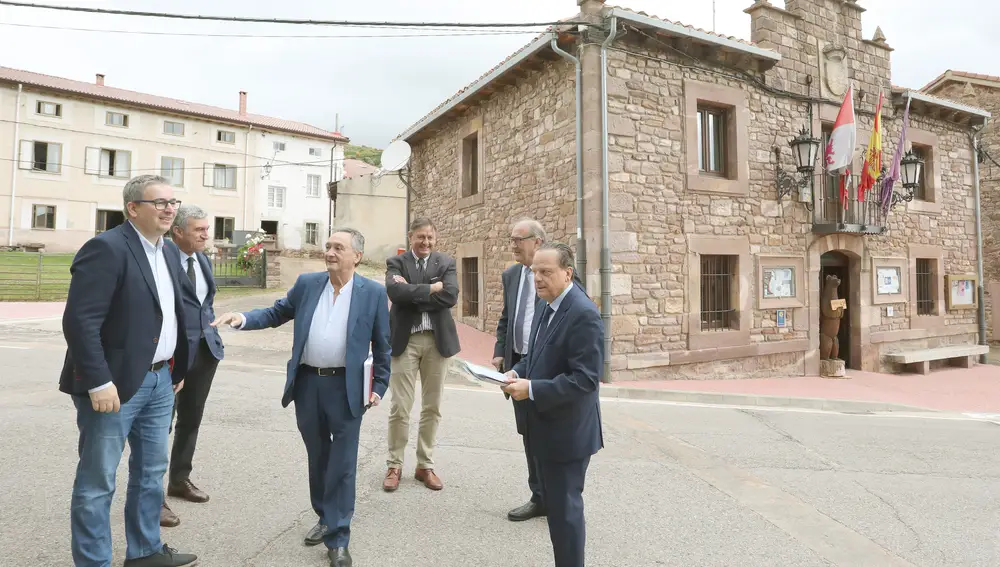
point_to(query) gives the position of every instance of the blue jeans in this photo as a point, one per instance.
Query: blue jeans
(144, 421)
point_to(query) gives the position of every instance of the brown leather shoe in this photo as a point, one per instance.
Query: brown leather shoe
(187, 491)
(391, 482)
(167, 517)
(429, 479)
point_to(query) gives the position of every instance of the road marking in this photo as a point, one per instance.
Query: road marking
(31, 320)
(14, 347)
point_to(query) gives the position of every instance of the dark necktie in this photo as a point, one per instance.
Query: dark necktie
(522, 306)
(544, 325)
(420, 268)
(191, 271)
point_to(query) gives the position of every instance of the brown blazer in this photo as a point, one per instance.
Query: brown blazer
(410, 300)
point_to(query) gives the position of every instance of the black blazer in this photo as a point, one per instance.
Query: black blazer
(112, 317)
(410, 300)
(564, 419)
(199, 315)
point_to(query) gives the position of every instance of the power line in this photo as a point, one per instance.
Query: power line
(194, 168)
(287, 20)
(262, 36)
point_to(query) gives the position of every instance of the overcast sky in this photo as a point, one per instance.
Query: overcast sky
(379, 86)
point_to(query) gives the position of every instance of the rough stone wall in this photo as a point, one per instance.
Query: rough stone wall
(989, 187)
(529, 133)
(653, 213)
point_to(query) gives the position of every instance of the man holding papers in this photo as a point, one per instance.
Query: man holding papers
(560, 375)
(340, 317)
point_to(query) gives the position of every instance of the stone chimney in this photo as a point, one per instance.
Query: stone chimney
(243, 103)
(590, 7)
(100, 79)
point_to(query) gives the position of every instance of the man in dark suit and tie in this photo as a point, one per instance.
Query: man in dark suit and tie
(561, 381)
(340, 316)
(127, 356)
(190, 234)
(423, 287)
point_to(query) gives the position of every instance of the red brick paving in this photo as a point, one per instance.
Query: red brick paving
(30, 310)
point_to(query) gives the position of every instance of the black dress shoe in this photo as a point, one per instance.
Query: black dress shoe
(526, 512)
(339, 557)
(316, 535)
(167, 557)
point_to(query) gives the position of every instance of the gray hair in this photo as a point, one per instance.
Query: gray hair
(135, 189)
(565, 253)
(185, 212)
(534, 227)
(357, 239)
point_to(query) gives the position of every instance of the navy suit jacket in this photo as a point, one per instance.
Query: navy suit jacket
(564, 366)
(113, 316)
(367, 323)
(199, 315)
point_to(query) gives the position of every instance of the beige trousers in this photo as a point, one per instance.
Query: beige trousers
(421, 358)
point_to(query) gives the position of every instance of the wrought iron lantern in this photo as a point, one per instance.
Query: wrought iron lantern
(911, 166)
(805, 150)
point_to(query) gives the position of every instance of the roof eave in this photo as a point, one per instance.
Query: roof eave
(543, 42)
(255, 124)
(972, 113)
(767, 57)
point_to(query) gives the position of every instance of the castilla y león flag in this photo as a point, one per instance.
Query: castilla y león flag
(843, 138)
(873, 156)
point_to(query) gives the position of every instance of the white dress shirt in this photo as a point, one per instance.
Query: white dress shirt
(425, 317)
(201, 282)
(326, 343)
(529, 308)
(548, 326)
(167, 341)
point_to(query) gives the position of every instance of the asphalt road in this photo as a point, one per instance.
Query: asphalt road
(675, 485)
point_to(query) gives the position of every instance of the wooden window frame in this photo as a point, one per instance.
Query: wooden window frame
(473, 127)
(735, 179)
(931, 174)
(34, 216)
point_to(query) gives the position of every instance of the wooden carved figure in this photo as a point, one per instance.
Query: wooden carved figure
(829, 326)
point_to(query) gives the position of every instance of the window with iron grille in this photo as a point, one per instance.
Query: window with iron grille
(718, 290)
(925, 287)
(470, 287)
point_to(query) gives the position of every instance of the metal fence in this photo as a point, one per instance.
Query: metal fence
(229, 271)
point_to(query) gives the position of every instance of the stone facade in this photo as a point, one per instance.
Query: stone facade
(665, 215)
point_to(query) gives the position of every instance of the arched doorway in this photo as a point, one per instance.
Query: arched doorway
(838, 264)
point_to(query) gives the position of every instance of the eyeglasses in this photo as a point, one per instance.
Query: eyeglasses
(160, 204)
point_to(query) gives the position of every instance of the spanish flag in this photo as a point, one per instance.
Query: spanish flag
(873, 155)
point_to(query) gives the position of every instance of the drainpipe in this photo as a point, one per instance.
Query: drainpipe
(581, 244)
(14, 164)
(605, 193)
(246, 174)
(981, 312)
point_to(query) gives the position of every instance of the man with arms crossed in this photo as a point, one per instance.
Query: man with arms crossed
(339, 316)
(423, 287)
(561, 378)
(127, 355)
(190, 234)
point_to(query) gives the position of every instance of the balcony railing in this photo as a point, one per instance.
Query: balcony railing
(832, 215)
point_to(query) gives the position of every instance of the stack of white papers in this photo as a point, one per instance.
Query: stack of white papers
(485, 374)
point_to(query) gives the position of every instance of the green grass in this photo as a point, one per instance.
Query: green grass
(24, 278)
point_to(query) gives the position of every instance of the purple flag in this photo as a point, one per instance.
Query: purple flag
(893, 175)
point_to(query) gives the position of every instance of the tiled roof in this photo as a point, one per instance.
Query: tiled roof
(163, 103)
(356, 168)
(692, 28)
(961, 75)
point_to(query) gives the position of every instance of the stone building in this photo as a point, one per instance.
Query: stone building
(982, 91)
(687, 211)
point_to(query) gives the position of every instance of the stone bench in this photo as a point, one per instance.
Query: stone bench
(920, 360)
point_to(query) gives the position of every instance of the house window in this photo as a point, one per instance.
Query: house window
(106, 220)
(48, 108)
(44, 217)
(316, 152)
(116, 119)
(470, 287)
(312, 185)
(718, 291)
(41, 156)
(105, 162)
(312, 233)
(226, 136)
(275, 197)
(470, 165)
(173, 169)
(173, 128)
(712, 141)
(219, 176)
(926, 291)
(224, 227)
(279, 146)
(923, 152)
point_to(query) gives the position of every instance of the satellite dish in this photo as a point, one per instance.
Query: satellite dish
(396, 156)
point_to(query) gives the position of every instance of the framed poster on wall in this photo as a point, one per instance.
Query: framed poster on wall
(961, 291)
(889, 281)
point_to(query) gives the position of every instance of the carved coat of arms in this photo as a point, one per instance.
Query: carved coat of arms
(835, 69)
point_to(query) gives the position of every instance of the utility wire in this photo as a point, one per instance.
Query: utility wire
(186, 168)
(136, 32)
(343, 23)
